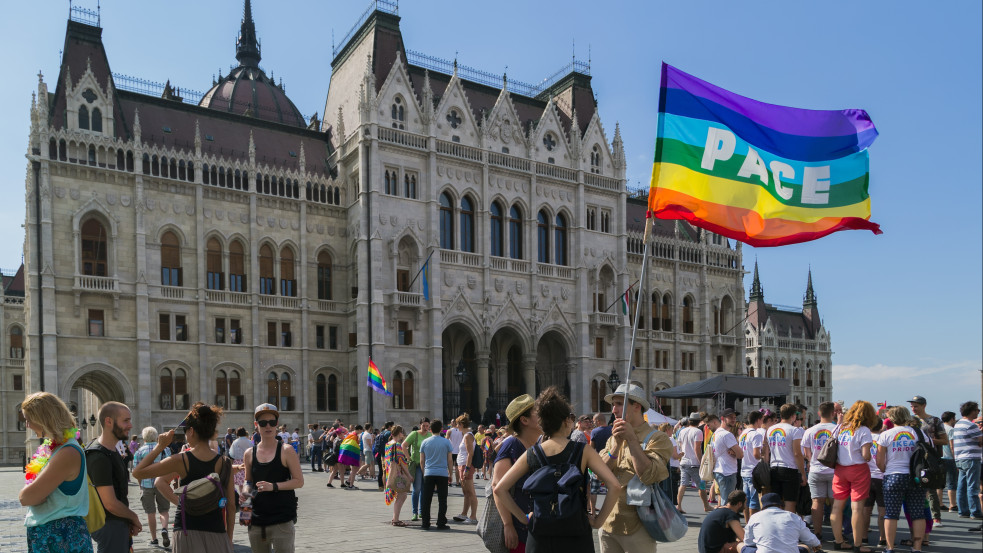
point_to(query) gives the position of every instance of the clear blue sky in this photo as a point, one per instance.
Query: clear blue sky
(903, 308)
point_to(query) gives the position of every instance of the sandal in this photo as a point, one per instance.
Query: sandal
(842, 546)
(862, 549)
(398, 523)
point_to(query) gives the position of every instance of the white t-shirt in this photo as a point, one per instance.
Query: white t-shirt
(688, 438)
(850, 443)
(673, 462)
(900, 442)
(874, 471)
(295, 437)
(814, 439)
(725, 463)
(781, 441)
(750, 439)
(285, 436)
(462, 450)
(455, 436)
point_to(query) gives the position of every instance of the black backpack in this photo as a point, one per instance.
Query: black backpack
(926, 465)
(559, 506)
(477, 456)
(379, 446)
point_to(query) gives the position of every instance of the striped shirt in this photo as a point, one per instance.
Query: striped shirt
(965, 440)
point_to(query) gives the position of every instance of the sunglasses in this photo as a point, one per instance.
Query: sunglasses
(265, 423)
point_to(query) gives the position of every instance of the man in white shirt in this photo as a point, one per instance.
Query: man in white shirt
(750, 441)
(820, 476)
(727, 452)
(784, 455)
(773, 530)
(690, 440)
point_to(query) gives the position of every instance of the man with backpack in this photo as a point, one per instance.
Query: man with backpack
(626, 456)
(933, 428)
(111, 480)
(379, 448)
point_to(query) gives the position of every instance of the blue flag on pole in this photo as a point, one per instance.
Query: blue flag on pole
(426, 280)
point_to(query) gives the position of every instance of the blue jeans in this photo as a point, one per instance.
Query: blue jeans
(725, 485)
(751, 493)
(417, 488)
(316, 451)
(968, 487)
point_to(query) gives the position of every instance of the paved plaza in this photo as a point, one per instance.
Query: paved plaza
(342, 521)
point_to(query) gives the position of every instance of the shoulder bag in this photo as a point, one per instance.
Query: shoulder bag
(655, 509)
(490, 528)
(830, 450)
(708, 462)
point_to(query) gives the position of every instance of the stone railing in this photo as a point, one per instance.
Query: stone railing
(723, 340)
(556, 172)
(509, 162)
(407, 298)
(403, 138)
(96, 283)
(508, 264)
(605, 319)
(545, 269)
(607, 183)
(460, 258)
(458, 150)
(13, 300)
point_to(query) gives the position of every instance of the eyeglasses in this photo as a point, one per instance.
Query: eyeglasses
(573, 416)
(265, 423)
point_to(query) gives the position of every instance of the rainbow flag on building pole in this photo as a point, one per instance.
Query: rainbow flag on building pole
(376, 382)
(764, 174)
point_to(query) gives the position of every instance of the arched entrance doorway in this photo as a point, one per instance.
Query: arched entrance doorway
(459, 372)
(553, 364)
(88, 388)
(505, 381)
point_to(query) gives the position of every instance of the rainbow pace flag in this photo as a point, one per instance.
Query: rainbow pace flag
(764, 174)
(376, 382)
(349, 452)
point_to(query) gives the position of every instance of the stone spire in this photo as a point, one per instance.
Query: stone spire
(618, 147)
(810, 299)
(247, 46)
(427, 98)
(757, 294)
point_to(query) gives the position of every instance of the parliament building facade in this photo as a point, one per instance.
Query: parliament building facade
(225, 248)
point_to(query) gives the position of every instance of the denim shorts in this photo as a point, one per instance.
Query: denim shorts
(951, 474)
(752, 494)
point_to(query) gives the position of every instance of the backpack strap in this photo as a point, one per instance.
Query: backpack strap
(538, 455)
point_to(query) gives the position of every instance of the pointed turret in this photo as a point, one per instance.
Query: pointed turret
(810, 308)
(247, 46)
(810, 298)
(757, 294)
(618, 148)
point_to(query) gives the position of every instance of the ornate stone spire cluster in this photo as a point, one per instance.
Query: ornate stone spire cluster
(757, 294)
(810, 298)
(247, 46)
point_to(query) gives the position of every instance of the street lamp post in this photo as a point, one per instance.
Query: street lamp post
(614, 381)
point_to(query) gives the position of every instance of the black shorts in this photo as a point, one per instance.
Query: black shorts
(876, 494)
(786, 483)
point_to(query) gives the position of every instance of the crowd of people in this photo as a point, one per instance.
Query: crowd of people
(545, 470)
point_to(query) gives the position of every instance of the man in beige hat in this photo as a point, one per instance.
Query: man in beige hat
(626, 456)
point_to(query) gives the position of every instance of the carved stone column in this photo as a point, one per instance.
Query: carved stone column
(529, 373)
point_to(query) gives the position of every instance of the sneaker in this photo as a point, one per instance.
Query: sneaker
(937, 522)
(154, 543)
(459, 518)
(331, 486)
(470, 521)
(415, 518)
(442, 527)
(165, 538)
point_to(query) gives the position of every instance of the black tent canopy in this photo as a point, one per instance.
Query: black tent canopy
(732, 385)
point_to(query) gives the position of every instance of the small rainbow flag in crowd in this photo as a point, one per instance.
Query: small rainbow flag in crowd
(350, 451)
(882, 405)
(763, 174)
(376, 382)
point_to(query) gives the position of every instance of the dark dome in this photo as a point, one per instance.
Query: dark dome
(248, 91)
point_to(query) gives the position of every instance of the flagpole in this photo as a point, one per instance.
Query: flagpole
(638, 307)
(417, 275)
(621, 296)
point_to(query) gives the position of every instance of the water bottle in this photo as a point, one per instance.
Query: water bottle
(246, 508)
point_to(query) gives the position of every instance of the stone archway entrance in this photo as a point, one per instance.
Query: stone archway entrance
(553, 364)
(88, 388)
(459, 356)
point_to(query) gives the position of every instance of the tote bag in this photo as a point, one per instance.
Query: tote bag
(490, 527)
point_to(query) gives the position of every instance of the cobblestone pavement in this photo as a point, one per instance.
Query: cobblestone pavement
(341, 521)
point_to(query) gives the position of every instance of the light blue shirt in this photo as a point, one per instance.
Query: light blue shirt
(145, 450)
(435, 450)
(776, 531)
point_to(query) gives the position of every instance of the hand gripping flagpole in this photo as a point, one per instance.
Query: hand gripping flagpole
(638, 306)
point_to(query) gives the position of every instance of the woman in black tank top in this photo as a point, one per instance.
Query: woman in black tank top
(212, 531)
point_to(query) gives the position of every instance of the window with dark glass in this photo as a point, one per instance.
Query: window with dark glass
(405, 334)
(180, 328)
(467, 225)
(271, 336)
(446, 222)
(235, 331)
(18, 382)
(288, 285)
(332, 337)
(542, 237)
(96, 120)
(397, 390)
(219, 330)
(164, 326)
(402, 280)
(497, 228)
(667, 313)
(515, 232)
(83, 117)
(237, 267)
(266, 281)
(166, 389)
(215, 277)
(688, 315)
(94, 256)
(321, 393)
(170, 260)
(560, 239)
(324, 276)
(591, 218)
(319, 336)
(599, 347)
(332, 393)
(16, 343)
(286, 338)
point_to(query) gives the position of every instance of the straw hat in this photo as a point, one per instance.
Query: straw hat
(517, 408)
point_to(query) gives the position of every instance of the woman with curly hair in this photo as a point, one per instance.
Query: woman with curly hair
(210, 532)
(554, 417)
(851, 478)
(55, 495)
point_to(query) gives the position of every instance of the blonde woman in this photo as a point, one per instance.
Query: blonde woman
(851, 477)
(467, 449)
(56, 497)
